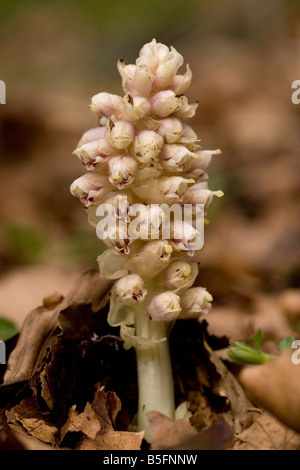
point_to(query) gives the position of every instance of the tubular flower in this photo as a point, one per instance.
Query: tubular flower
(105, 105)
(122, 170)
(144, 163)
(147, 145)
(185, 238)
(170, 129)
(131, 289)
(94, 153)
(176, 158)
(164, 307)
(90, 188)
(116, 237)
(178, 274)
(195, 302)
(200, 194)
(119, 134)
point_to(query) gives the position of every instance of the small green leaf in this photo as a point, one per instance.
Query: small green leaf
(244, 357)
(286, 343)
(242, 345)
(258, 339)
(7, 329)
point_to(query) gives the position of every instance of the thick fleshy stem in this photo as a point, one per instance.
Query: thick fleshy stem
(154, 370)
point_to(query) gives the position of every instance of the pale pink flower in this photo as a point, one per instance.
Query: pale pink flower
(90, 188)
(130, 289)
(147, 145)
(106, 104)
(195, 302)
(164, 307)
(119, 134)
(122, 170)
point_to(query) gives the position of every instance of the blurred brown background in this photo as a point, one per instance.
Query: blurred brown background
(244, 56)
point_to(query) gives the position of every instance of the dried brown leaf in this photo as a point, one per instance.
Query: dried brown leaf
(27, 417)
(35, 331)
(114, 440)
(267, 433)
(85, 422)
(237, 404)
(168, 433)
(40, 327)
(275, 385)
(106, 406)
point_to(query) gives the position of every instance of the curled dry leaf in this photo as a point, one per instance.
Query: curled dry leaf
(85, 422)
(275, 385)
(267, 433)
(214, 393)
(105, 408)
(114, 440)
(236, 408)
(39, 329)
(27, 417)
(71, 347)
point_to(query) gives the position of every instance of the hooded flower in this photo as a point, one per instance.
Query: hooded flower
(195, 302)
(131, 289)
(164, 307)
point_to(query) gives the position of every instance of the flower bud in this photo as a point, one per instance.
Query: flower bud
(93, 134)
(127, 73)
(173, 188)
(166, 70)
(119, 134)
(184, 237)
(200, 194)
(95, 153)
(143, 80)
(164, 307)
(186, 111)
(152, 54)
(136, 107)
(130, 289)
(176, 157)
(147, 145)
(122, 170)
(165, 102)
(116, 237)
(170, 129)
(194, 302)
(90, 188)
(106, 104)
(182, 82)
(178, 274)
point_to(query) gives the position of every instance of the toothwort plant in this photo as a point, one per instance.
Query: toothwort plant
(144, 153)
